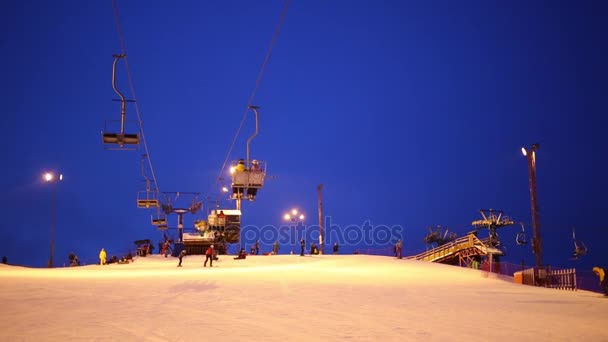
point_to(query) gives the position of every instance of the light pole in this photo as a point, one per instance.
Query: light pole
(49, 177)
(537, 246)
(295, 217)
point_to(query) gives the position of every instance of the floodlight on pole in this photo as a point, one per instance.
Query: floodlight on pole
(50, 177)
(530, 155)
(294, 218)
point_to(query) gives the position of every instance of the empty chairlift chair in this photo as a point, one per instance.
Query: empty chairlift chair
(121, 138)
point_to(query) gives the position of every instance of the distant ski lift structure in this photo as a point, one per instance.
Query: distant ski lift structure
(492, 220)
(521, 238)
(170, 206)
(248, 175)
(580, 249)
(223, 226)
(120, 140)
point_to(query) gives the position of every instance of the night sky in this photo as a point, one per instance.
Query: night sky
(411, 113)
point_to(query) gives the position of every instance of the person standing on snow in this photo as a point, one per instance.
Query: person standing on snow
(302, 245)
(209, 256)
(398, 246)
(275, 247)
(601, 273)
(181, 255)
(102, 257)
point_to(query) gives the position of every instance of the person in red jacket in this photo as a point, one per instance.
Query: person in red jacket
(209, 256)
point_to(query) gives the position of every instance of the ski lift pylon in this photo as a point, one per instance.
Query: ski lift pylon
(124, 140)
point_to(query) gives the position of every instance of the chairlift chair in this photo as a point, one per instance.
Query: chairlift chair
(159, 220)
(580, 249)
(521, 238)
(248, 181)
(121, 138)
(147, 200)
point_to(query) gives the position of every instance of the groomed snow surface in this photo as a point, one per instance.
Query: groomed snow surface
(288, 298)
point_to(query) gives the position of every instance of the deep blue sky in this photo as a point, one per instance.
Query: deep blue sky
(411, 113)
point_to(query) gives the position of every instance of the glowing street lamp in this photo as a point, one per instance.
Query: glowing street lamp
(50, 177)
(530, 154)
(294, 218)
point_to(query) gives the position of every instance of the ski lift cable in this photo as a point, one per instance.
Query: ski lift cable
(132, 88)
(253, 93)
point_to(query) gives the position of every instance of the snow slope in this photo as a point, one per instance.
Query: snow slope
(288, 298)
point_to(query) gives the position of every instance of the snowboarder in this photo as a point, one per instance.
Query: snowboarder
(335, 248)
(242, 254)
(181, 255)
(275, 247)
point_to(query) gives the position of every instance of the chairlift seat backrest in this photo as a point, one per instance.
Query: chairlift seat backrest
(147, 199)
(159, 221)
(248, 179)
(120, 138)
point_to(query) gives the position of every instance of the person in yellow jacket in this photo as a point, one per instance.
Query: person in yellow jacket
(237, 190)
(102, 257)
(601, 273)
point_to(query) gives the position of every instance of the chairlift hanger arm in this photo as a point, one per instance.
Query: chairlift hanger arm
(257, 129)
